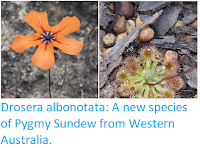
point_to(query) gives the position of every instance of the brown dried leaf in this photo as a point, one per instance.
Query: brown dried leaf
(166, 39)
(104, 15)
(192, 77)
(167, 20)
(184, 29)
(192, 46)
(152, 6)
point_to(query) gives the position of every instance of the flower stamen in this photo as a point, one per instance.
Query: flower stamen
(47, 37)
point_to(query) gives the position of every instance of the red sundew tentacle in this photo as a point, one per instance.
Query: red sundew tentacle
(168, 94)
(176, 83)
(158, 56)
(122, 75)
(127, 90)
(171, 66)
(147, 52)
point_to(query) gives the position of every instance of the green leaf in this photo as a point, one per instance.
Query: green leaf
(146, 93)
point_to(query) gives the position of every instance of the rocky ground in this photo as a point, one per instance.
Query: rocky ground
(71, 76)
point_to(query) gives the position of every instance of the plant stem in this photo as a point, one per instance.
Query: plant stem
(49, 84)
(179, 74)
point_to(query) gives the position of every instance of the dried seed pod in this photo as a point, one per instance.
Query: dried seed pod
(127, 9)
(129, 27)
(109, 39)
(138, 21)
(120, 25)
(146, 34)
(179, 23)
(120, 36)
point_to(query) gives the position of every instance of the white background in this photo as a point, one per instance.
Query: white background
(185, 134)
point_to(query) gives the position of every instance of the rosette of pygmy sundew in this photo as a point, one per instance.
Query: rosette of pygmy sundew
(122, 74)
(127, 89)
(171, 66)
(132, 65)
(140, 77)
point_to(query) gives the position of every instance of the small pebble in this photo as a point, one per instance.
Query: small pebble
(23, 71)
(60, 83)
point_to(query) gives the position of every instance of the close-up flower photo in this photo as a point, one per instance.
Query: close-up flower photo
(49, 50)
(148, 49)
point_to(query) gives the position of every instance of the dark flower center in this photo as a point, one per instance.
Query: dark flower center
(47, 37)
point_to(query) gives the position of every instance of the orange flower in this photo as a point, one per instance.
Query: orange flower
(47, 37)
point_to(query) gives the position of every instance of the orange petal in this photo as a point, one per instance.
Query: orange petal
(67, 25)
(23, 42)
(38, 20)
(44, 56)
(67, 45)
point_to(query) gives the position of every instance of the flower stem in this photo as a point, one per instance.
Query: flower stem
(179, 74)
(49, 84)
